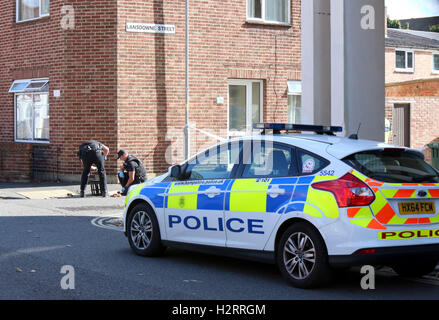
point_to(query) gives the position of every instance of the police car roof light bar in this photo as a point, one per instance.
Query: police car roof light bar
(278, 127)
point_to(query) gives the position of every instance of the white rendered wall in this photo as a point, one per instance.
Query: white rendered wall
(355, 75)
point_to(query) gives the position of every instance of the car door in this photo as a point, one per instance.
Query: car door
(256, 199)
(195, 205)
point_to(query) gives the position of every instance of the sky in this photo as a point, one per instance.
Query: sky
(406, 9)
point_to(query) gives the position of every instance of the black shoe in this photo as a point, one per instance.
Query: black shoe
(81, 194)
(105, 194)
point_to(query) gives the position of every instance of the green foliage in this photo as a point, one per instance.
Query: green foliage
(407, 26)
(395, 24)
(434, 28)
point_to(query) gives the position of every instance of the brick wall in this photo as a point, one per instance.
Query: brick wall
(81, 63)
(151, 72)
(127, 90)
(423, 97)
(423, 67)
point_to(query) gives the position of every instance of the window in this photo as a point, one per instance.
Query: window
(245, 106)
(309, 163)
(32, 9)
(436, 63)
(216, 163)
(269, 161)
(393, 165)
(294, 102)
(277, 11)
(31, 110)
(404, 60)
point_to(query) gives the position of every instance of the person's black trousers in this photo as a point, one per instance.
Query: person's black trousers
(123, 181)
(96, 158)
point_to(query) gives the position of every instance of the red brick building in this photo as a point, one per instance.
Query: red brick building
(412, 88)
(71, 72)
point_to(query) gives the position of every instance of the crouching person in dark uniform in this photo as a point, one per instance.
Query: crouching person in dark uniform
(93, 153)
(131, 172)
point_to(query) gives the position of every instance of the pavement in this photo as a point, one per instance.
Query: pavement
(39, 191)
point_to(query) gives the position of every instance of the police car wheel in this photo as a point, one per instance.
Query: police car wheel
(302, 257)
(143, 231)
(415, 269)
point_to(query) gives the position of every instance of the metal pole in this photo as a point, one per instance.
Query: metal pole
(186, 128)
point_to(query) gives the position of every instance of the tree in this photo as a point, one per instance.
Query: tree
(434, 28)
(407, 26)
(395, 24)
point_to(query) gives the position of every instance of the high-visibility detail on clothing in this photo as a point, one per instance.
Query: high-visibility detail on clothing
(185, 197)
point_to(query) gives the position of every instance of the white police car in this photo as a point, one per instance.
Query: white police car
(310, 203)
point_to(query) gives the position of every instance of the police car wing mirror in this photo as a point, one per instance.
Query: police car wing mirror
(176, 172)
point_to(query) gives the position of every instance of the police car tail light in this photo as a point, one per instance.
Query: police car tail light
(349, 191)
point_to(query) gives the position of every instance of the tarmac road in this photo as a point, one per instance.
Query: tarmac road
(39, 237)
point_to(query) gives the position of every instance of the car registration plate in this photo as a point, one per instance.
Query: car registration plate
(408, 208)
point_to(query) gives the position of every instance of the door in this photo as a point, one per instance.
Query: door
(255, 200)
(401, 125)
(245, 106)
(195, 205)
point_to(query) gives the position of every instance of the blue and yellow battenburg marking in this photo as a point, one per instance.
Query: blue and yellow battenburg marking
(277, 195)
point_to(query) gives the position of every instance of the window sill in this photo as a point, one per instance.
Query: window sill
(33, 20)
(435, 72)
(268, 23)
(33, 142)
(404, 71)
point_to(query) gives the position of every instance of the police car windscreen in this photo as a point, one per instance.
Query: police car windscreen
(393, 166)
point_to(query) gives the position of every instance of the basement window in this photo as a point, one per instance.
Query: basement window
(269, 11)
(28, 10)
(404, 61)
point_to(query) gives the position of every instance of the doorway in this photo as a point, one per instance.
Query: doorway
(401, 124)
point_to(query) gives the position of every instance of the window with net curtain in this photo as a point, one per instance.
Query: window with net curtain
(269, 10)
(32, 9)
(32, 116)
(31, 110)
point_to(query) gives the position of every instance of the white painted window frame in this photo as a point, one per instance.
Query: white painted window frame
(435, 53)
(263, 20)
(248, 110)
(33, 141)
(406, 69)
(295, 93)
(32, 19)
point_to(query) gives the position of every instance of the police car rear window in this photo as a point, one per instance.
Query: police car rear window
(393, 166)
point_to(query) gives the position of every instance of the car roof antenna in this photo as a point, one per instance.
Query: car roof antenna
(355, 135)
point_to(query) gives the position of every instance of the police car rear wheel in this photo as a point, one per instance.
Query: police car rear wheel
(302, 257)
(415, 269)
(143, 231)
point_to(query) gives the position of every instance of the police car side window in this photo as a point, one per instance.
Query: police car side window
(270, 161)
(309, 163)
(216, 163)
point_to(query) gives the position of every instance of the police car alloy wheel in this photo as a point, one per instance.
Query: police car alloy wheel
(143, 231)
(302, 257)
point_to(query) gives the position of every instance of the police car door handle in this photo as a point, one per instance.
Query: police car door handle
(275, 191)
(212, 192)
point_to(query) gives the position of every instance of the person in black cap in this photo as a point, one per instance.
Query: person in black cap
(93, 153)
(132, 171)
